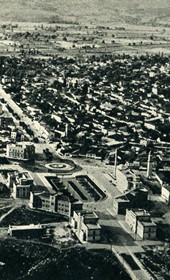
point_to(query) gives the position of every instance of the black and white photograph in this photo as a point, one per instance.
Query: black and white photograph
(84, 140)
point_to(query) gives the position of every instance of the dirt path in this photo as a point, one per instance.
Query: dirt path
(6, 214)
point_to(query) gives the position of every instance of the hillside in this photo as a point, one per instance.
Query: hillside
(26, 260)
(125, 11)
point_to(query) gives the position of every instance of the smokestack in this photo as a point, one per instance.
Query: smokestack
(149, 166)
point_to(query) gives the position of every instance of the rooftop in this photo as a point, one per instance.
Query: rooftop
(92, 226)
(148, 223)
(140, 212)
(87, 214)
(26, 227)
(121, 198)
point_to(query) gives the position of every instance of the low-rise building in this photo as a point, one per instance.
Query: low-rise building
(131, 199)
(140, 223)
(86, 227)
(21, 151)
(27, 231)
(14, 134)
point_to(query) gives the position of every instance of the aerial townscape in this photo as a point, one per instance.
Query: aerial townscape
(84, 140)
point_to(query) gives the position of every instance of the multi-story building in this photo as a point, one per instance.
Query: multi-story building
(86, 227)
(58, 203)
(43, 200)
(21, 151)
(21, 185)
(14, 134)
(140, 223)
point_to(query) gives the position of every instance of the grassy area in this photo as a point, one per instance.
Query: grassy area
(5, 193)
(163, 231)
(4, 210)
(6, 202)
(156, 260)
(153, 186)
(23, 216)
(116, 236)
(29, 261)
(157, 208)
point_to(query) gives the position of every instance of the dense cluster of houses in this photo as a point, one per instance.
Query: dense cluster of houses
(112, 107)
(97, 103)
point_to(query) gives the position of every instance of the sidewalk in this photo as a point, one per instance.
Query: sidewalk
(121, 181)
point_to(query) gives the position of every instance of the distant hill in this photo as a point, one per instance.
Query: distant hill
(125, 11)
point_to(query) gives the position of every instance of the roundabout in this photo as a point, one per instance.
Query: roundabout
(60, 167)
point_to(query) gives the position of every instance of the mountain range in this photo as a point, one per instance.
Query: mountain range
(125, 11)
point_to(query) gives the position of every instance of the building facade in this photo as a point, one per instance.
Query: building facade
(21, 185)
(27, 231)
(140, 223)
(57, 203)
(21, 151)
(86, 227)
(165, 193)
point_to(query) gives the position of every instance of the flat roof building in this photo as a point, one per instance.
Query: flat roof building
(21, 151)
(86, 227)
(140, 223)
(57, 202)
(21, 185)
(27, 231)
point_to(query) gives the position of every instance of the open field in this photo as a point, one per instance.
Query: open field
(84, 28)
(79, 39)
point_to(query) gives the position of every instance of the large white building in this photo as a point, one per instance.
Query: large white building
(27, 231)
(140, 223)
(21, 151)
(86, 227)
